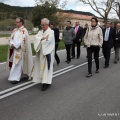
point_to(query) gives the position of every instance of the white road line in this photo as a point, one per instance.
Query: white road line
(63, 69)
(26, 83)
(70, 69)
(7, 90)
(2, 63)
(16, 91)
(23, 88)
(61, 50)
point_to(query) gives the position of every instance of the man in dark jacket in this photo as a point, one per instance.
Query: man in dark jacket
(117, 43)
(68, 36)
(108, 39)
(78, 39)
(56, 34)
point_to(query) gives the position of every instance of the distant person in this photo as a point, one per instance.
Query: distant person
(93, 40)
(117, 43)
(56, 34)
(44, 46)
(68, 36)
(77, 40)
(108, 39)
(20, 61)
(84, 31)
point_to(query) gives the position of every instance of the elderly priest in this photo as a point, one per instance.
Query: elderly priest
(44, 46)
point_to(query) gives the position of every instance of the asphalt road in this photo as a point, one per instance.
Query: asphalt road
(72, 96)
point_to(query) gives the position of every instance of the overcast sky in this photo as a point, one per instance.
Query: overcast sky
(71, 4)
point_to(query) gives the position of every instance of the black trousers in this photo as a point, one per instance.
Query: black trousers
(56, 56)
(68, 49)
(95, 50)
(106, 52)
(78, 48)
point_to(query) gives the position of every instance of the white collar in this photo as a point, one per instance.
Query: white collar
(108, 28)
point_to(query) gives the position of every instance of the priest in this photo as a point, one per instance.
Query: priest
(20, 54)
(44, 46)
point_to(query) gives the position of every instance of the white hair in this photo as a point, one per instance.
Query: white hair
(46, 20)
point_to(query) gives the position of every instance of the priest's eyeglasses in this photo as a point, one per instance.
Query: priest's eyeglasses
(17, 22)
(42, 25)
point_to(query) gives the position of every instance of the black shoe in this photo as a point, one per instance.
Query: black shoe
(68, 62)
(115, 62)
(97, 71)
(45, 87)
(58, 62)
(25, 78)
(72, 57)
(14, 82)
(106, 66)
(89, 75)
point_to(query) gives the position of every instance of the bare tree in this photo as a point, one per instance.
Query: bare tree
(116, 7)
(56, 3)
(102, 7)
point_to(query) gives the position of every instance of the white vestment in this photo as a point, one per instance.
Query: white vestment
(44, 47)
(21, 55)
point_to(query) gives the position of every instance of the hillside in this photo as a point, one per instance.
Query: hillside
(11, 12)
(79, 12)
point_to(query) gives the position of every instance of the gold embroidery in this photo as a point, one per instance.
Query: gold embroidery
(17, 57)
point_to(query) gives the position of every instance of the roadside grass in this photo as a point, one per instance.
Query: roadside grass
(3, 53)
(4, 50)
(4, 35)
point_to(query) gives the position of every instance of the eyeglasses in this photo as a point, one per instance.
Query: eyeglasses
(17, 22)
(42, 25)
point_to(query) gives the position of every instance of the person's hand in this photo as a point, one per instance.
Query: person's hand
(12, 46)
(46, 37)
(116, 38)
(79, 40)
(43, 38)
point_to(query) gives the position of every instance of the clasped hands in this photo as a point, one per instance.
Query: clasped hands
(12, 46)
(45, 38)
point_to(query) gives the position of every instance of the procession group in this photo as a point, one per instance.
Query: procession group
(46, 43)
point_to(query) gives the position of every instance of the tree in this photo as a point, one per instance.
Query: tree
(46, 10)
(56, 3)
(116, 7)
(102, 7)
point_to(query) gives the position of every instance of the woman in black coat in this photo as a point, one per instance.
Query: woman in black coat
(117, 43)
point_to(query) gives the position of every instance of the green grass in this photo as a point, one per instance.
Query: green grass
(4, 35)
(33, 51)
(3, 53)
(4, 50)
(61, 45)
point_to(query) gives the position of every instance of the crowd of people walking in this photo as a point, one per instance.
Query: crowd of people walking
(46, 44)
